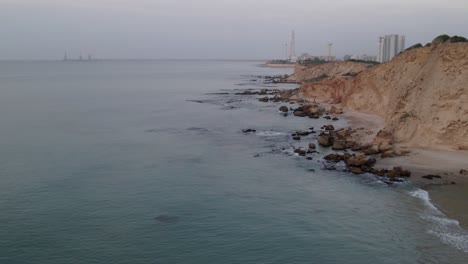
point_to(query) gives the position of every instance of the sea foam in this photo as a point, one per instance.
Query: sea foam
(448, 230)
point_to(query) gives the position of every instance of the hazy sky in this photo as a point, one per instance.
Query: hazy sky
(212, 29)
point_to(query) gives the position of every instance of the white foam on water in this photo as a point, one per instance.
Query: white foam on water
(270, 133)
(447, 230)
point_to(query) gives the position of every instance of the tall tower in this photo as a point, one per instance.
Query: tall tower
(292, 48)
(330, 51)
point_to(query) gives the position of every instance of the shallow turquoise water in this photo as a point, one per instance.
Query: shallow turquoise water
(114, 162)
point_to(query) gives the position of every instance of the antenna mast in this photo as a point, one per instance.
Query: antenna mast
(292, 47)
(330, 51)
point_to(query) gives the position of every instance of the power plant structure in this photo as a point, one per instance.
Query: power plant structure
(292, 48)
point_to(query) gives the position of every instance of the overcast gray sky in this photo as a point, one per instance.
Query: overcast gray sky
(215, 29)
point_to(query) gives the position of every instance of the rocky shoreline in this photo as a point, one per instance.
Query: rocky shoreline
(359, 149)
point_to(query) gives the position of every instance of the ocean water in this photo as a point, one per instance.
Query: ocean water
(145, 162)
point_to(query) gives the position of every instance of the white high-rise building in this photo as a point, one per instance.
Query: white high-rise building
(389, 46)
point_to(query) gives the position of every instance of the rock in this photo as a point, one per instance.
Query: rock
(335, 119)
(312, 146)
(327, 117)
(284, 109)
(300, 152)
(309, 158)
(264, 99)
(430, 177)
(299, 113)
(371, 162)
(393, 173)
(303, 133)
(339, 145)
(387, 154)
(381, 172)
(398, 172)
(356, 170)
(383, 141)
(463, 172)
(333, 157)
(372, 150)
(249, 130)
(329, 127)
(357, 161)
(325, 140)
(312, 109)
(296, 138)
(335, 110)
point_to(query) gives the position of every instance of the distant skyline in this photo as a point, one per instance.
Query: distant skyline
(217, 29)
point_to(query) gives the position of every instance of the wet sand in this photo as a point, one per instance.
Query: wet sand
(450, 199)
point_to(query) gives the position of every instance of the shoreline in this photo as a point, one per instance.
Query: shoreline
(421, 162)
(277, 65)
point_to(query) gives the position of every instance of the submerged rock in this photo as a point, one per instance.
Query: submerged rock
(430, 177)
(249, 130)
(284, 109)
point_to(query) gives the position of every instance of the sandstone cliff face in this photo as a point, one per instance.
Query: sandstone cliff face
(422, 94)
(332, 69)
(331, 89)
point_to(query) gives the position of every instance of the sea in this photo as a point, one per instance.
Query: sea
(145, 161)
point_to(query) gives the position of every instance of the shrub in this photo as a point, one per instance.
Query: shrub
(416, 46)
(441, 39)
(456, 39)
(317, 79)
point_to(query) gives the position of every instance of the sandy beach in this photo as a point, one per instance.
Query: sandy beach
(449, 198)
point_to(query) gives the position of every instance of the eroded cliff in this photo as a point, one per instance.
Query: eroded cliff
(422, 94)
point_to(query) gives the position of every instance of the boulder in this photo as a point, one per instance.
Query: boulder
(249, 130)
(371, 162)
(356, 170)
(430, 177)
(299, 113)
(312, 146)
(357, 161)
(325, 140)
(335, 110)
(284, 109)
(300, 152)
(329, 127)
(333, 157)
(303, 133)
(339, 145)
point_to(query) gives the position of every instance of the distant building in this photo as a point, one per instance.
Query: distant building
(389, 46)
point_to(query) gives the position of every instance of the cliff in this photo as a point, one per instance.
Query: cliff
(331, 69)
(422, 94)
